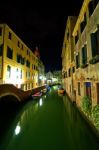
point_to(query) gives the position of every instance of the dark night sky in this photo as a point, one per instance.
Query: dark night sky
(42, 24)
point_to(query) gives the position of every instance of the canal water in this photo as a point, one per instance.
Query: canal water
(51, 122)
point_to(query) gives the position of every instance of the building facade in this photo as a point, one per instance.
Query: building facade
(57, 76)
(18, 64)
(68, 65)
(85, 49)
(41, 73)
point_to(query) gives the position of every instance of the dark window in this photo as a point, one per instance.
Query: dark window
(95, 43)
(77, 61)
(20, 59)
(1, 47)
(92, 6)
(34, 67)
(18, 44)
(83, 23)
(84, 54)
(76, 37)
(28, 64)
(97, 85)
(79, 92)
(68, 36)
(22, 46)
(23, 61)
(9, 53)
(69, 72)
(73, 69)
(10, 35)
(0, 31)
(27, 52)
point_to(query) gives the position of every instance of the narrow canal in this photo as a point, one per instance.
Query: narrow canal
(49, 123)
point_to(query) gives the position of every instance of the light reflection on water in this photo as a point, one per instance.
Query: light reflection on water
(49, 123)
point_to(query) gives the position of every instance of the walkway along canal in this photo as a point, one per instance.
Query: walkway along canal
(50, 122)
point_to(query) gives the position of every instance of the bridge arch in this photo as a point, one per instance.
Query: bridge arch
(13, 97)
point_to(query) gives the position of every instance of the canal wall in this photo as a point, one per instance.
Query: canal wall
(86, 118)
(89, 121)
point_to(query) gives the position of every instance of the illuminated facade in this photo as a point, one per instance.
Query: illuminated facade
(41, 73)
(68, 65)
(86, 47)
(18, 64)
(81, 72)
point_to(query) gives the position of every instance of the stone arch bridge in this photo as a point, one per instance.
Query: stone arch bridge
(20, 95)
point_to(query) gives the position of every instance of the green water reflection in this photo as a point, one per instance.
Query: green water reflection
(49, 123)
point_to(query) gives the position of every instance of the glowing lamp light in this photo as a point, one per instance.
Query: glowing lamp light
(40, 77)
(17, 130)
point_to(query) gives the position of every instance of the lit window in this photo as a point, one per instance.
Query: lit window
(8, 72)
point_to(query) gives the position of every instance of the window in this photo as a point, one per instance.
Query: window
(69, 72)
(92, 6)
(73, 69)
(0, 31)
(83, 23)
(22, 46)
(77, 61)
(95, 43)
(79, 92)
(28, 75)
(0, 70)
(10, 35)
(9, 53)
(8, 72)
(84, 55)
(17, 73)
(34, 67)
(1, 50)
(27, 52)
(97, 85)
(18, 44)
(88, 89)
(76, 37)
(20, 59)
(28, 64)
(21, 74)
(68, 35)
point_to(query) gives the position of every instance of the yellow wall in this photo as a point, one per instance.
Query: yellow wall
(13, 62)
